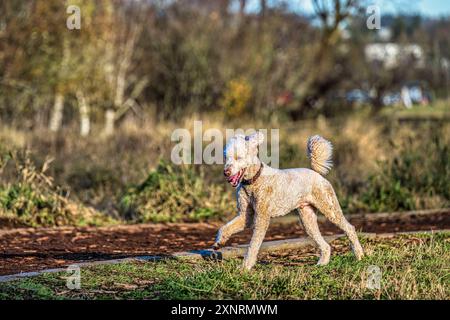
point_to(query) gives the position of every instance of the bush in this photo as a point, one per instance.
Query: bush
(33, 200)
(174, 193)
(236, 97)
(411, 179)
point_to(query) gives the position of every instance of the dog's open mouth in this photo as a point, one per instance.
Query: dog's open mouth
(235, 179)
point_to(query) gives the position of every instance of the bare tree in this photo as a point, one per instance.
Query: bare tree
(56, 117)
(263, 8)
(331, 15)
(85, 124)
(322, 76)
(117, 65)
(242, 5)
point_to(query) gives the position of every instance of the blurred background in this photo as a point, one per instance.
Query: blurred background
(86, 114)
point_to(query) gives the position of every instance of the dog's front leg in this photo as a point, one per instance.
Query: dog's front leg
(239, 223)
(232, 227)
(259, 232)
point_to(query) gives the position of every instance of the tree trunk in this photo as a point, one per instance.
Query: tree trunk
(377, 102)
(85, 124)
(110, 117)
(263, 9)
(57, 113)
(242, 4)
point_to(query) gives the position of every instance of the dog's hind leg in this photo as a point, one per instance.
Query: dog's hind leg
(325, 201)
(309, 221)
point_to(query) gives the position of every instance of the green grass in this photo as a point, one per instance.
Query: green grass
(413, 267)
(173, 193)
(402, 184)
(439, 109)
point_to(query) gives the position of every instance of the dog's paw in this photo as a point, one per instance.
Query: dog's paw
(359, 255)
(242, 269)
(358, 251)
(246, 266)
(324, 256)
(322, 262)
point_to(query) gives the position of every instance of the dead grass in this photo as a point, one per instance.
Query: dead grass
(98, 172)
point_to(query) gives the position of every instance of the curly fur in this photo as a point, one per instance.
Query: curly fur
(320, 151)
(277, 192)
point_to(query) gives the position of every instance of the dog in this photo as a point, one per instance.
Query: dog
(263, 192)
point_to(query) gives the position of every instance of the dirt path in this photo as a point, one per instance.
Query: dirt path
(29, 249)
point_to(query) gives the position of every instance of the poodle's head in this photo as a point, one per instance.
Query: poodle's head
(241, 152)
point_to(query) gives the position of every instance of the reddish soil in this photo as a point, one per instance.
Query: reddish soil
(29, 249)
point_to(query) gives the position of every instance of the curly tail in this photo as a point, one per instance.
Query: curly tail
(319, 151)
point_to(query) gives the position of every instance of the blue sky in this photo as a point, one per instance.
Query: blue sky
(433, 8)
(426, 7)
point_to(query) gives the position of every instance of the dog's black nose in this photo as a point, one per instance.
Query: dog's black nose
(227, 172)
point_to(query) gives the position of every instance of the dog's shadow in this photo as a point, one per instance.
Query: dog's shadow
(78, 256)
(209, 255)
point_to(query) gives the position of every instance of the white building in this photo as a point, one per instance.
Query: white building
(392, 53)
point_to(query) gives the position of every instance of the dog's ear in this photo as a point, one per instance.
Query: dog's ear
(255, 139)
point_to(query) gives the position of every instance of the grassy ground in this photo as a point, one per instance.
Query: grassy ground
(413, 267)
(438, 110)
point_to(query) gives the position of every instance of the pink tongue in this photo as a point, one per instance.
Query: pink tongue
(235, 178)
